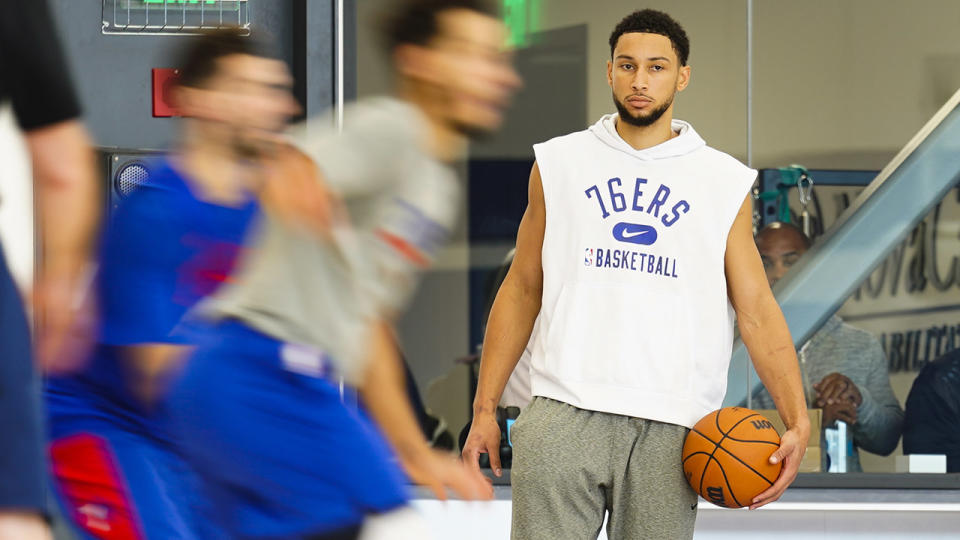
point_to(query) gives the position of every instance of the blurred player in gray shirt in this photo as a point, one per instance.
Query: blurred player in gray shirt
(313, 302)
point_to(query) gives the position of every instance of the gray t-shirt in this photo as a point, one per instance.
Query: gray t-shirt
(325, 292)
(841, 348)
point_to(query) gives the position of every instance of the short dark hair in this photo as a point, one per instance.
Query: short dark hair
(198, 58)
(414, 22)
(651, 21)
(790, 228)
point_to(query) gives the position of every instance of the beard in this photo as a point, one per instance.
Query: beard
(641, 120)
(472, 132)
(247, 148)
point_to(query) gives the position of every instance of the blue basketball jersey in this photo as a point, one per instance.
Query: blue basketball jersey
(161, 252)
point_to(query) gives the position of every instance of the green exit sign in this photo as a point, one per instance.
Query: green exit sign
(522, 18)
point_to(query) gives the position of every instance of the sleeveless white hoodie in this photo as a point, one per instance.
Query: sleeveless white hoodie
(635, 318)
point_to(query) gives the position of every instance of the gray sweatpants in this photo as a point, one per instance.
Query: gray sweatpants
(571, 466)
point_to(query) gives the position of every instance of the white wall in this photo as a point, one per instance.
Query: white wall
(846, 84)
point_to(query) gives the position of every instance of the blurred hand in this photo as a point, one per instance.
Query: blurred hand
(484, 438)
(793, 445)
(837, 387)
(22, 525)
(64, 308)
(293, 191)
(440, 471)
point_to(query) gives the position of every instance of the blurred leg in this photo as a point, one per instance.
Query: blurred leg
(22, 487)
(117, 485)
(300, 462)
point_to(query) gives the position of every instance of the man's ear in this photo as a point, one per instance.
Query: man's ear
(610, 73)
(684, 78)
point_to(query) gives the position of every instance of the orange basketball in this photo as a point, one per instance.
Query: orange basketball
(726, 456)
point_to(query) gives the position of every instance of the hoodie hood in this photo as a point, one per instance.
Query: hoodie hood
(686, 142)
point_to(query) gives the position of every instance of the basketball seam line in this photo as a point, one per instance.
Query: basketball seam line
(731, 454)
(694, 454)
(733, 427)
(703, 474)
(745, 464)
(716, 420)
(753, 441)
(711, 458)
(758, 473)
(734, 439)
(727, 480)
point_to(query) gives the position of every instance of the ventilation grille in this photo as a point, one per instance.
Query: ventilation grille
(150, 17)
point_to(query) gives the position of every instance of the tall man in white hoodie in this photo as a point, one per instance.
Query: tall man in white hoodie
(636, 249)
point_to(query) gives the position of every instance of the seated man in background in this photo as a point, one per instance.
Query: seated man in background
(846, 365)
(932, 423)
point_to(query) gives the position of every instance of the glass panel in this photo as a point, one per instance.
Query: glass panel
(842, 101)
(837, 87)
(844, 85)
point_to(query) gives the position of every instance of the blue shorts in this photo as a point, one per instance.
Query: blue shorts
(22, 480)
(114, 482)
(277, 452)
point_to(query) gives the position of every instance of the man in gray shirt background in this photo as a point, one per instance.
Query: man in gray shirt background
(844, 368)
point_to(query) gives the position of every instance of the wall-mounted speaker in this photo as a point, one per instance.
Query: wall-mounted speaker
(127, 171)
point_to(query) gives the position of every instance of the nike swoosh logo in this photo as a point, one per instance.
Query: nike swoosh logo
(634, 233)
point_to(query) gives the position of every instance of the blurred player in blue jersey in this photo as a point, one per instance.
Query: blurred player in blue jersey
(258, 409)
(167, 246)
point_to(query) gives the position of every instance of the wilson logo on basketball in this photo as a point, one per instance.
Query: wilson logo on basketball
(715, 494)
(762, 424)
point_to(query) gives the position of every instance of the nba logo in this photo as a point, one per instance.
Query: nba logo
(588, 257)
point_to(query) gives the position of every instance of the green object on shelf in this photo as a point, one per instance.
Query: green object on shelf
(790, 177)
